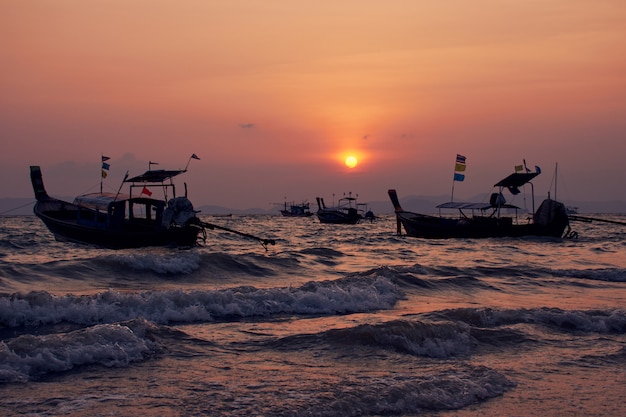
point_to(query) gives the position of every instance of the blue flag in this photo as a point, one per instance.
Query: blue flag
(458, 177)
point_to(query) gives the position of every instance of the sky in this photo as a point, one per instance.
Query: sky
(273, 95)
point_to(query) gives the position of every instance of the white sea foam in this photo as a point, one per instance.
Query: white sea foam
(435, 340)
(596, 321)
(341, 296)
(162, 263)
(110, 345)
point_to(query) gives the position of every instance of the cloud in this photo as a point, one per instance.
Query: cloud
(247, 125)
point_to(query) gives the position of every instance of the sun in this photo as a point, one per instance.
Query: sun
(351, 161)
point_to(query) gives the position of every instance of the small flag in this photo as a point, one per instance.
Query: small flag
(194, 156)
(146, 191)
(459, 166)
(106, 166)
(519, 168)
(104, 174)
(105, 158)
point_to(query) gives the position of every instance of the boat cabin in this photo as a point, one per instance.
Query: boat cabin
(113, 211)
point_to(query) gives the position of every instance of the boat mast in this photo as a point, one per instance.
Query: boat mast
(556, 180)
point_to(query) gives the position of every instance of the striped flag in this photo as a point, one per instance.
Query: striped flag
(459, 166)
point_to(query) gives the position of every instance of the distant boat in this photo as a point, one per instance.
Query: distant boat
(571, 210)
(296, 210)
(484, 220)
(347, 211)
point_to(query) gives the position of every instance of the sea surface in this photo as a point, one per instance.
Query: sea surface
(331, 321)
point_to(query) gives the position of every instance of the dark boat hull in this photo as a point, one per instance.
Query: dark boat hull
(550, 220)
(433, 227)
(114, 224)
(61, 219)
(337, 217)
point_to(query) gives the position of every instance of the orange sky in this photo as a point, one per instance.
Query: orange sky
(271, 95)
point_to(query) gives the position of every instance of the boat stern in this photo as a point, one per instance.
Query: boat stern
(37, 181)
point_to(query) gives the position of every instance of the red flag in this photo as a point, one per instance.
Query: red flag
(146, 191)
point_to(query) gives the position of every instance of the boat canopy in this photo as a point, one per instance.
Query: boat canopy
(99, 201)
(472, 206)
(156, 176)
(516, 180)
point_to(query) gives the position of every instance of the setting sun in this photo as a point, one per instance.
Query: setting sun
(351, 161)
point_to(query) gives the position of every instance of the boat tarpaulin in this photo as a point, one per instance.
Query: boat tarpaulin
(99, 201)
(156, 176)
(472, 206)
(516, 180)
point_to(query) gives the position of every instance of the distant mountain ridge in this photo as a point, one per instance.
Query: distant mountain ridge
(419, 204)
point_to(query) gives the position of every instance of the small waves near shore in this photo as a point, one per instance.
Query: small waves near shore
(332, 321)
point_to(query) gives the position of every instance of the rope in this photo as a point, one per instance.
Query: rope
(16, 208)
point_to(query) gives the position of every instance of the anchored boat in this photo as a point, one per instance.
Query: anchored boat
(296, 210)
(347, 211)
(117, 220)
(483, 220)
(136, 219)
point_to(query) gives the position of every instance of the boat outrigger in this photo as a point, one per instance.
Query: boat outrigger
(486, 220)
(117, 220)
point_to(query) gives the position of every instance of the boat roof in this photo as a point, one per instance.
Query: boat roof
(158, 175)
(472, 206)
(99, 201)
(517, 179)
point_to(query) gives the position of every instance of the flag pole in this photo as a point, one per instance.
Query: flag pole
(101, 157)
(452, 196)
(193, 156)
(121, 185)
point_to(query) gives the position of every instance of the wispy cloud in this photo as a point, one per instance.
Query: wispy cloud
(247, 125)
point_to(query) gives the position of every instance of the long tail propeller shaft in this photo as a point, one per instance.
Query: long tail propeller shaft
(263, 242)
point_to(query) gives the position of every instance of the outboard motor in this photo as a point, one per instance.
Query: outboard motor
(497, 200)
(552, 213)
(179, 211)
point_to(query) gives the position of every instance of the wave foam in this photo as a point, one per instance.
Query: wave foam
(349, 295)
(595, 321)
(111, 345)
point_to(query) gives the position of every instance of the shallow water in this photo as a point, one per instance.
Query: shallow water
(331, 321)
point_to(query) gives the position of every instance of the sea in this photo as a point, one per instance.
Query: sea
(332, 320)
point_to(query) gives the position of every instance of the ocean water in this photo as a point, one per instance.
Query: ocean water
(331, 321)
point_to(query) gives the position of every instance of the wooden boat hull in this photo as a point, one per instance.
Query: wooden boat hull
(433, 227)
(61, 219)
(346, 212)
(338, 217)
(112, 226)
(550, 220)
